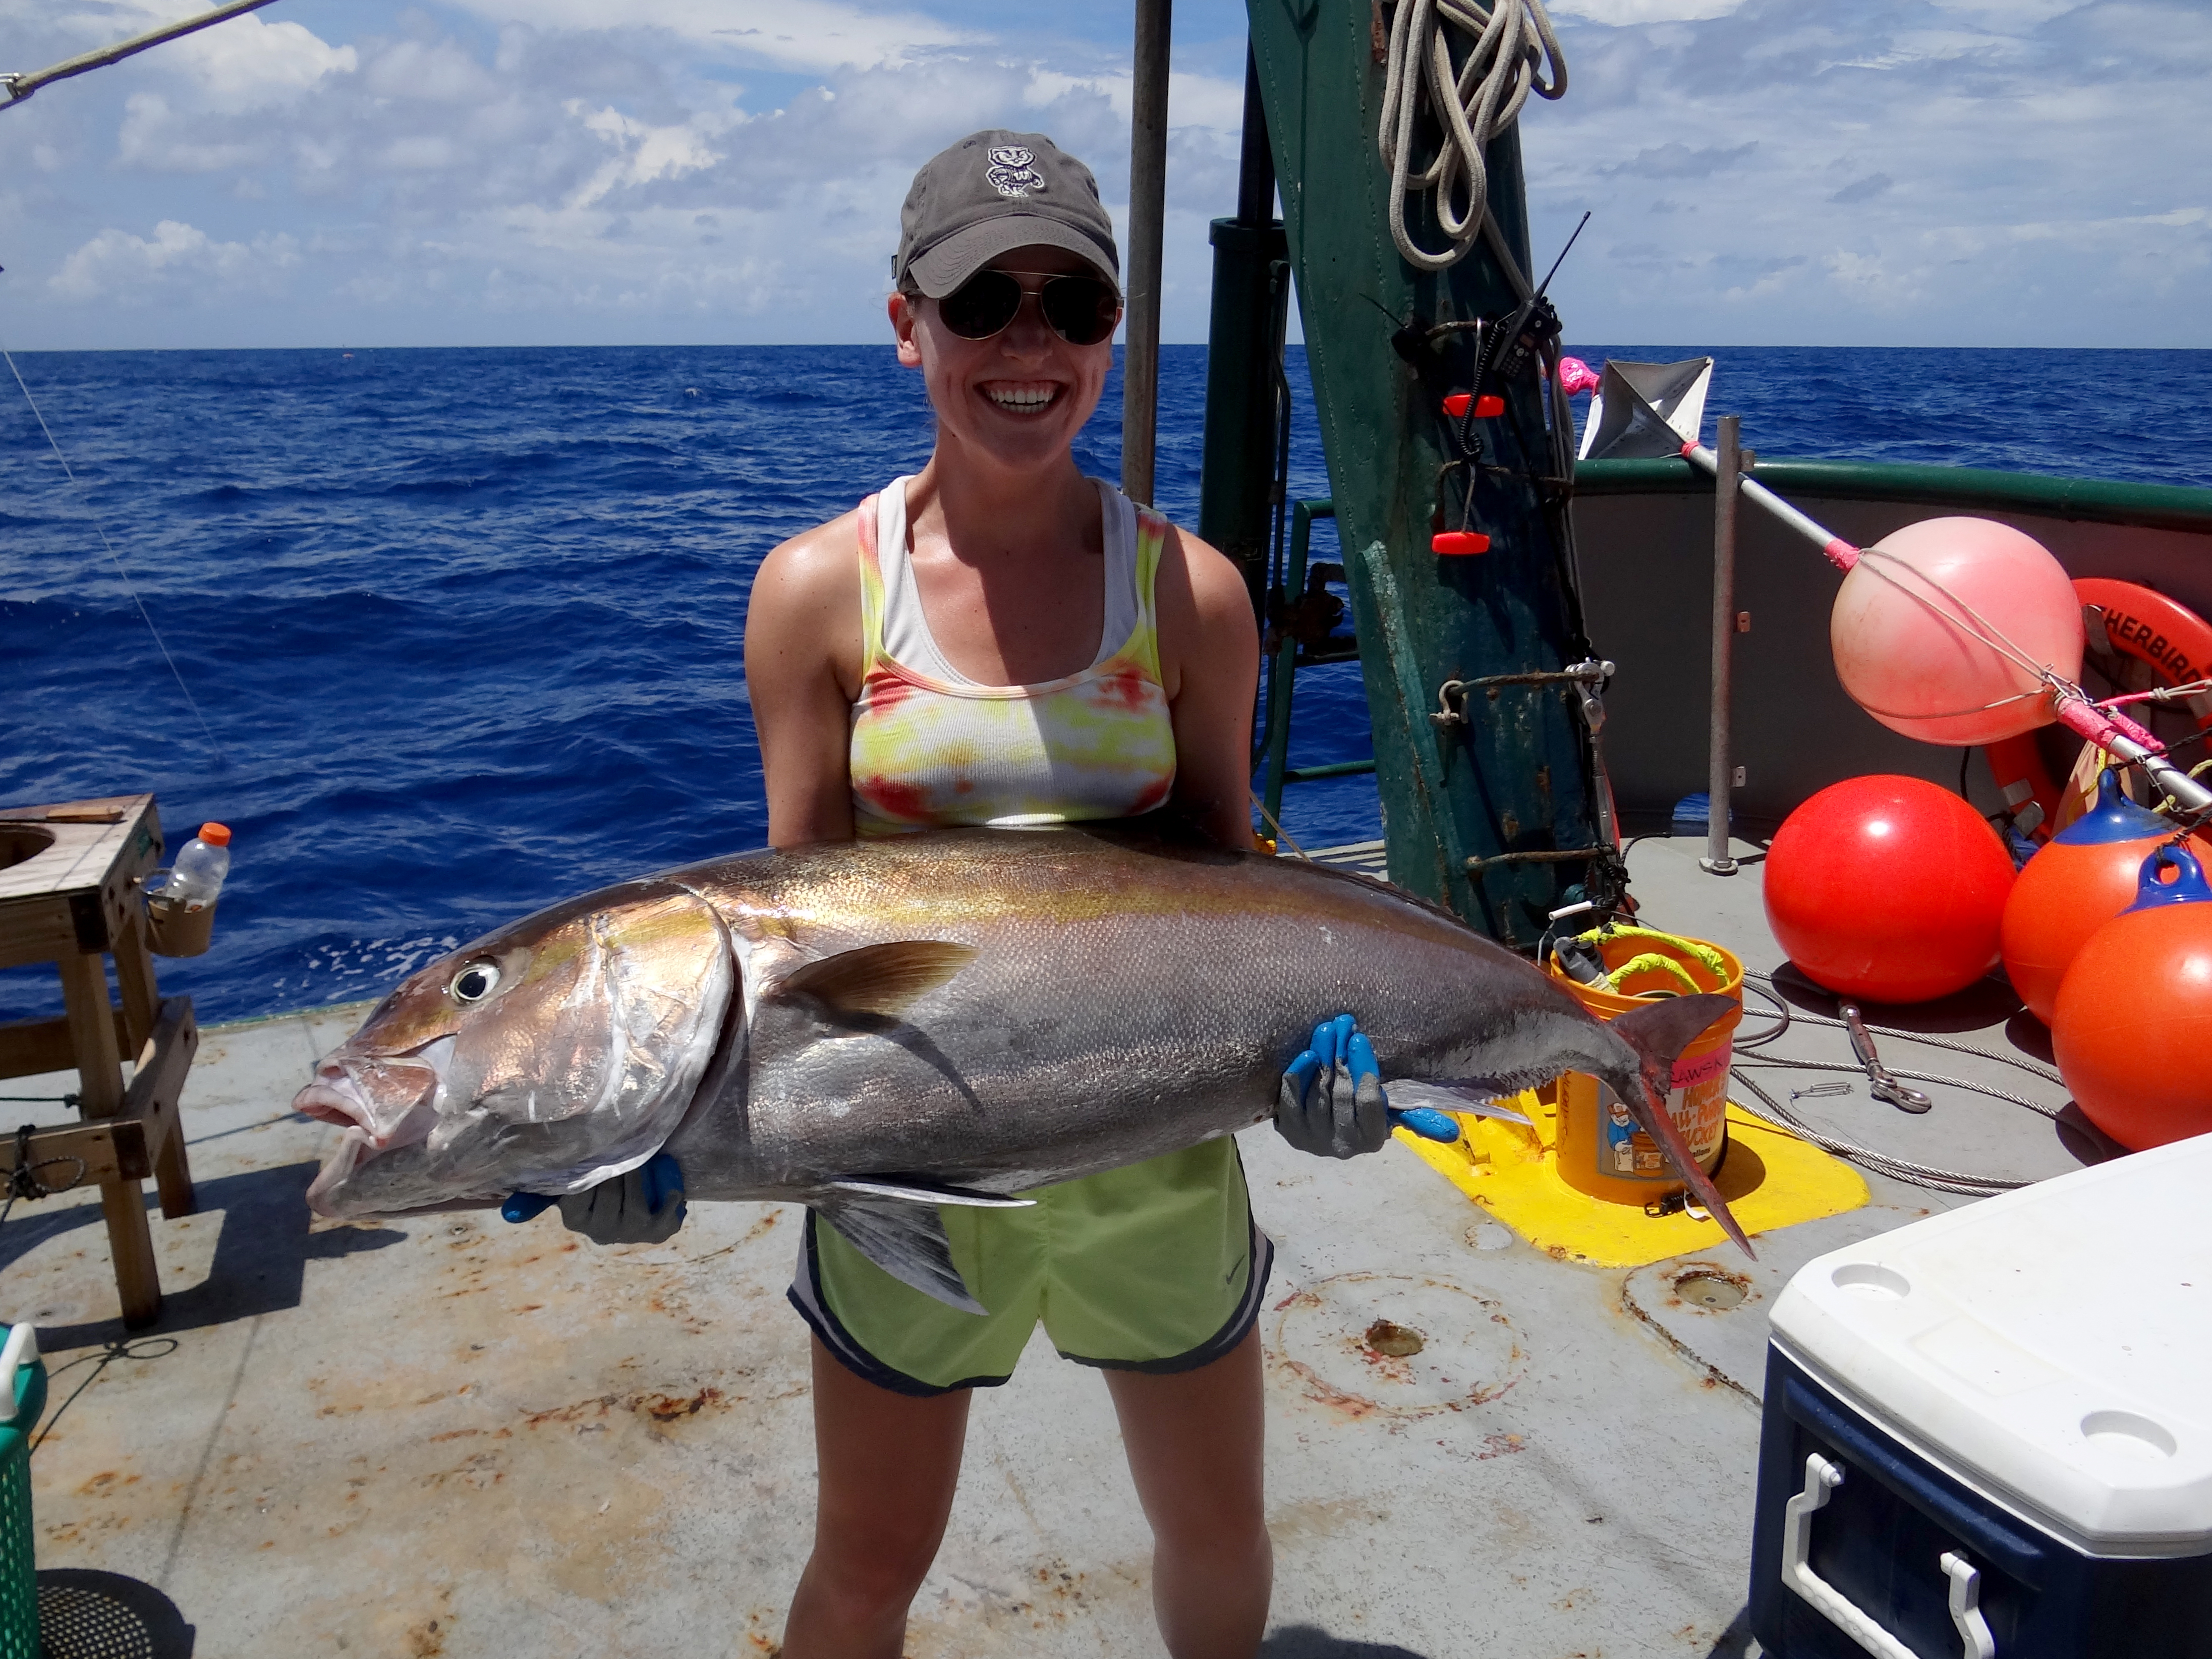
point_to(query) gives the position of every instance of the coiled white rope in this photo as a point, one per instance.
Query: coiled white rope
(1513, 47)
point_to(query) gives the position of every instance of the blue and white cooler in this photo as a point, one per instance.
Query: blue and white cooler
(1989, 1434)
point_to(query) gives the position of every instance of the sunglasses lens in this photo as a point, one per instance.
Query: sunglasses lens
(982, 306)
(1082, 310)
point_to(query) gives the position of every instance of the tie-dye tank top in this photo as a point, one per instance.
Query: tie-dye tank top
(933, 748)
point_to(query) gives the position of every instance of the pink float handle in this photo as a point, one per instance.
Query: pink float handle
(2118, 735)
(2101, 725)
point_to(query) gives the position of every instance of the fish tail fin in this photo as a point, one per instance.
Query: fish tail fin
(1658, 1032)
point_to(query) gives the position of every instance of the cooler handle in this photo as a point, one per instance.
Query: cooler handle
(21, 1349)
(1821, 1478)
(1966, 1607)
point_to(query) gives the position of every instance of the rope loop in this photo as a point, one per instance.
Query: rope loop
(23, 1180)
(1513, 47)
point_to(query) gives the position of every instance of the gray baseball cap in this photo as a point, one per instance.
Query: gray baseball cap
(990, 193)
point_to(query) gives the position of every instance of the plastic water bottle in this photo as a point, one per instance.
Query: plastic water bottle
(200, 868)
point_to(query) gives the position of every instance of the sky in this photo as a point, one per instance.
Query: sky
(355, 172)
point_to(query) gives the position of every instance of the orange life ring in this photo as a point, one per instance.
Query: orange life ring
(2123, 619)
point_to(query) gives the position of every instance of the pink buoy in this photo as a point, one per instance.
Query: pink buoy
(1914, 622)
(1575, 375)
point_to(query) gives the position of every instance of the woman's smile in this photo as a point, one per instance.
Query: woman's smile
(1021, 398)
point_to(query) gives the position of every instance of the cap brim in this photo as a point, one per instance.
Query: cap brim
(965, 252)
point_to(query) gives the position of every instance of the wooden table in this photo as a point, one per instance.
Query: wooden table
(69, 894)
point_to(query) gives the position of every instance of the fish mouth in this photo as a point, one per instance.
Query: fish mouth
(385, 1100)
(353, 1150)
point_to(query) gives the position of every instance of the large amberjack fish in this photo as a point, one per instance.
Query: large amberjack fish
(877, 1029)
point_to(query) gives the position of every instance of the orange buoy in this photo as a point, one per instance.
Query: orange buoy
(2132, 1029)
(2084, 876)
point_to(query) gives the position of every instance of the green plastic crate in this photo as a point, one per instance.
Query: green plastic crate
(19, 1579)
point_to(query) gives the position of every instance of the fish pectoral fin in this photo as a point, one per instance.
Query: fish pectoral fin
(907, 1241)
(881, 979)
(926, 1192)
(1480, 1099)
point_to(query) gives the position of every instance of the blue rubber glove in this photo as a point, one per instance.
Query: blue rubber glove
(644, 1207)
(1332, 1104)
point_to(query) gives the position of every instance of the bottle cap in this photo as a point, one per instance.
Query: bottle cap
(215, 835)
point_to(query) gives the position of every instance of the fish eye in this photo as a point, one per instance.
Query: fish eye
(474, 982)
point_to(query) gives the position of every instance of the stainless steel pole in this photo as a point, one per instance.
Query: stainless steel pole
(15, 88)
(1148, 179)
(1719, 770)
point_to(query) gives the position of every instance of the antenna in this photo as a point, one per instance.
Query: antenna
(1564, 251)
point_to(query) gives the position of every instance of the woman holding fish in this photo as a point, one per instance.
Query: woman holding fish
(1000, 640)
(1001, 1070)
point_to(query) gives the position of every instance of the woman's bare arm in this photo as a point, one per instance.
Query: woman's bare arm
(1210, 668)
(802, 673)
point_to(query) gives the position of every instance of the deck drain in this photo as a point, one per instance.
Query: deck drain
(1395, 1345)
(1393, 1341)
(1713, 1291)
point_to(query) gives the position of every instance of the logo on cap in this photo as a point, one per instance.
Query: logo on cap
(1011, 173)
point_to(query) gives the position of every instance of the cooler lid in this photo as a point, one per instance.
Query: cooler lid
(2053, 1345)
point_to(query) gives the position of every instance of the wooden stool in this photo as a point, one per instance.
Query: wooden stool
(70, 881)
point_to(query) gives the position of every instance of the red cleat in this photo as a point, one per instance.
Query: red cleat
(1459, 542)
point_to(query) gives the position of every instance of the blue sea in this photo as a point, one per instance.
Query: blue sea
(465, 626)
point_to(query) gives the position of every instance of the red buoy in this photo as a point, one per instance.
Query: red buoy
(2132, 1029)
(2086, 875)
(1887, 888)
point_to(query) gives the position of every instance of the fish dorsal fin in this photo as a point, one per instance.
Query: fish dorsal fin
(907, 1241)
(878, 979)
(927, 1192)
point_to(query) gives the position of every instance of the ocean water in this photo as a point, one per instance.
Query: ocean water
(465, 626)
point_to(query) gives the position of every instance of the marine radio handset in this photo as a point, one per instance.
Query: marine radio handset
(1531, 330)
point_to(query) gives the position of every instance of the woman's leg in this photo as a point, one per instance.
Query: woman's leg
(1194, 1442)
(887, 1465)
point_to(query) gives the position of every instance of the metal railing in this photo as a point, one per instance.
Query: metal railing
(1275, 748)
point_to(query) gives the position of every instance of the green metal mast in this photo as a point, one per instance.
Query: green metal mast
(1485, 813)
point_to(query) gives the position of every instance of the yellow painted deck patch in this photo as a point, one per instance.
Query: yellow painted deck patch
(1771, 1179)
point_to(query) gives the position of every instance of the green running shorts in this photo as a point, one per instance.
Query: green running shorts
(1154, 1268)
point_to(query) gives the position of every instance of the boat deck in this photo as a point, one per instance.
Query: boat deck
(450, 1436)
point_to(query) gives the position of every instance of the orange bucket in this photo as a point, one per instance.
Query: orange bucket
(1601, 1152)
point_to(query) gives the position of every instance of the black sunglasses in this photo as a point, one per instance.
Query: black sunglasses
(1081, 310)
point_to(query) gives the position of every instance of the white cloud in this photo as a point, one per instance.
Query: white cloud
(645, 153)
(246, 63)
(180, 260)
(156, 138)
(800, 34)
(1901, 155)
(1925, 170)
(1625, 12)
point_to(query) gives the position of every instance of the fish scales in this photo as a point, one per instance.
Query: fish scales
(1125, 1001)
(957, 1016)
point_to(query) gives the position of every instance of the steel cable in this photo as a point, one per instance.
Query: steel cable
(1898, 1169)
(1916, 1174)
